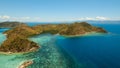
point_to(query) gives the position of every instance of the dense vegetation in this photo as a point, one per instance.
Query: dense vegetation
(18, 44)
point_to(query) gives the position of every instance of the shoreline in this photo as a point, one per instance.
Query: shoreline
(87, 33)
(35, 49)
(12, 53)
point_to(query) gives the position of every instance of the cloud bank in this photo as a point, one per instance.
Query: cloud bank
(22, 19)
(95, 18)
(5, 17)
(38, 19)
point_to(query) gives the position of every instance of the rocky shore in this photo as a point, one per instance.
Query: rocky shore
(25, 64)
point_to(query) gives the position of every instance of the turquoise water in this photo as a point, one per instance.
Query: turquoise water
(90, 51)
(2, 37)
(10, 61)
(48, 56)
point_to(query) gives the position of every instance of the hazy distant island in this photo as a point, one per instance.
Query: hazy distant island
(17, 38)
(8, 24)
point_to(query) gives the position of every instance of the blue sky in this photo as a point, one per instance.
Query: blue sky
(59, 10)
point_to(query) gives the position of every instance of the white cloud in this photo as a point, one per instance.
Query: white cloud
(102, 18)
(38, 19)
(4, 17)
(25, 18)
(81, 19)
(94, 18)
(86, 18)
(22, 19)
(89, 18)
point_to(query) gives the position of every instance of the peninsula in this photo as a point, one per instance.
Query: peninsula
(17, 38)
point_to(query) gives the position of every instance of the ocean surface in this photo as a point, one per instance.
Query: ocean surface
(89, 51)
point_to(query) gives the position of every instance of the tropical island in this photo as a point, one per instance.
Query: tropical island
(17, 38)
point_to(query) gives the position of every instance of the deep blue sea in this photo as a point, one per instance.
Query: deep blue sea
(89, 51)
(95, 51)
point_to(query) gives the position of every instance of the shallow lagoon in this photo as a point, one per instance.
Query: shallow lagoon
(48, 56)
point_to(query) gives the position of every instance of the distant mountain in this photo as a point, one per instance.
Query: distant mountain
(103, 21)
(9, 24)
